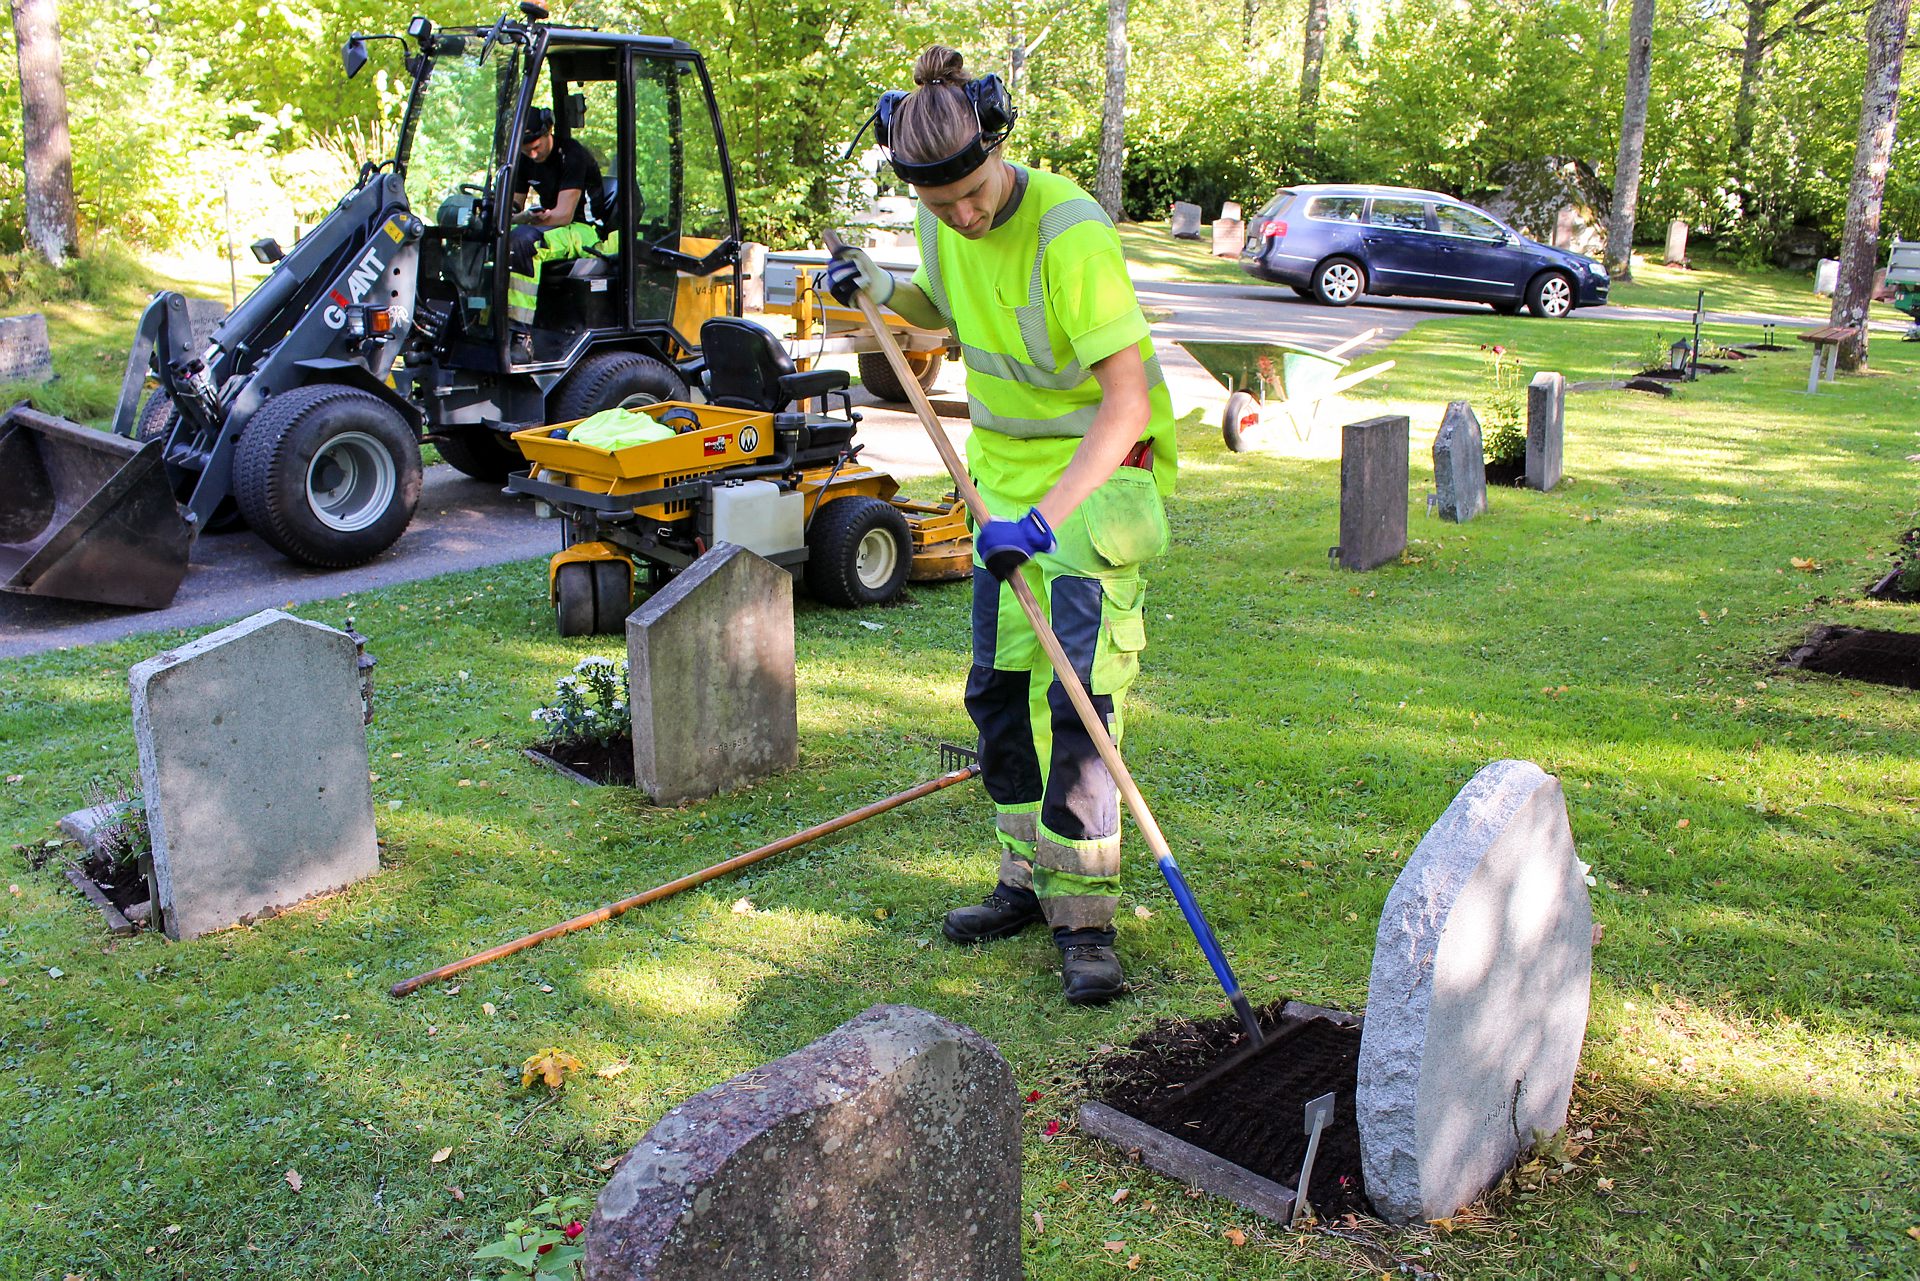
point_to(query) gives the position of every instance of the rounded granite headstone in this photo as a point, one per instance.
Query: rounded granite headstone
(888, 1150)
(1478, 1001)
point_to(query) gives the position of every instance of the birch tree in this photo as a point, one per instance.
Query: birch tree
(51, 225)
(1879, 111)
(1633, 141)
(1113, 114)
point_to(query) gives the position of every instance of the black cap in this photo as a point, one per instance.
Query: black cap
(539, 124)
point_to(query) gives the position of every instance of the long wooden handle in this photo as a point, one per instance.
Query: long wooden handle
(1062, 665)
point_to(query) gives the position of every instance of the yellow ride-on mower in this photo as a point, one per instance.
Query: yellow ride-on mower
(751, 466)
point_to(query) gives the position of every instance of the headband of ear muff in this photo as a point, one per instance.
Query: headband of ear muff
(993, 112)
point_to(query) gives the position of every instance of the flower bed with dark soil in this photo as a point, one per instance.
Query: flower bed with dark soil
(608, 763)
(1187, 1080)
(1861, 654)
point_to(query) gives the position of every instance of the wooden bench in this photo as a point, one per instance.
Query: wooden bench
(1828, 339)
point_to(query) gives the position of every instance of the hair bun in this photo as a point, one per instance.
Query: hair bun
(940, 65)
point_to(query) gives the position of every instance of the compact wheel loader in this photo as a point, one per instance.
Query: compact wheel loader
(302, 414)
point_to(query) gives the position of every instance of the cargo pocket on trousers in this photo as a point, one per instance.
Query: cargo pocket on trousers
(1123, 634)
(1126, 521)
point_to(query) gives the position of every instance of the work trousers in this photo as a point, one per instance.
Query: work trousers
(1057, 807)
(531, 248)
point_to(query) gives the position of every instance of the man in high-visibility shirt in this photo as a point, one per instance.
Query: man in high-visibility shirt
(1072, 451)
(567, 179)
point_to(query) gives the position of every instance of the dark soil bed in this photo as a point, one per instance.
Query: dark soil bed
(1902, 582)
(1250, 1113)
(1857, 653)
(1507, 473)
(610, 763)
(123, 883)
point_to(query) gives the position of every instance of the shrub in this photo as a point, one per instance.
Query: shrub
(591, 704)
(1504, 402)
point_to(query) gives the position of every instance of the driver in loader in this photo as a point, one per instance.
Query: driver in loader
(1072, 450)
(562, 172)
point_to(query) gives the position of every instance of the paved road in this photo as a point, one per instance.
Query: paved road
(463, 524)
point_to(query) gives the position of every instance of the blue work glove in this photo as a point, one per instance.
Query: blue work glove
(851, 270)
(1006, 545)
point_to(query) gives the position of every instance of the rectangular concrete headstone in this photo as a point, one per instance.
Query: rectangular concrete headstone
(1676, 255)
(715, 703)
(1230, 211)
(1477, 1005)
(1373, 492)
(1229, 234)
(1185, 221)
(1459, 465)
(24, 353)
(1546, 429)
(888, 1150)
(253, 766)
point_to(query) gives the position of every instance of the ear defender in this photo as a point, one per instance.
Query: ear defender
(993, 114)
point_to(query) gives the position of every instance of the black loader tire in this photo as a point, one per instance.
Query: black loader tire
(156, 420)
(609, 378)
(481, 453)
(573, 612)
(361, 458)
(876, 375)
(848, 562)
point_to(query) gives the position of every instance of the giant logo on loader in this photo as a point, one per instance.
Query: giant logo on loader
(360, 279)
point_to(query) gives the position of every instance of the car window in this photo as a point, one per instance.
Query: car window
(1458, 221)
(1336, 208)
(1407, 215)
(1273, 207)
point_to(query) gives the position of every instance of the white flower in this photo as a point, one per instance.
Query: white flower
(566, 682)
(619, 706)
(593, 663)
(589, 714)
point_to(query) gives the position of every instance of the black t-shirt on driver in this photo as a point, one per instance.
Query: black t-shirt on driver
(568, 167)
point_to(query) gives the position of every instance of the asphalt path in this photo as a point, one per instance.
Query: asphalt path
(464, 524)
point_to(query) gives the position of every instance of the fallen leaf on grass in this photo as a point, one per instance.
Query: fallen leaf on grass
(456, 1194)
(1033, 1096)
(1116, 1246)
(1235, 1236)
(442, 1155)
(1119, 1196)
(486, 1008)
(1039, 1224)
(1053, 1128)
(1604, 1185)
(551, 1065)
(1914, 1231)
(743, 907)
(1133, 1263)
(16, 778)
(1805, 564)
(1685, 822)
(612, 1070)
(1144, 912)
(294, 1180)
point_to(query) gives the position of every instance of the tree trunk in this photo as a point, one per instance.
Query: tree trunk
(1879, 109)
(1753, 48)
(1633, 139)
(1113, 115)
(52, 228)
(1312, 58)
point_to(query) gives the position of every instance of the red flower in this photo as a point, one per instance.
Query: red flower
(1053, 1128)
(1033, 1096)
(1499, 350)
(574, 1229)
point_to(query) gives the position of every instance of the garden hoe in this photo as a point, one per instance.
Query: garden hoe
(1063, 670)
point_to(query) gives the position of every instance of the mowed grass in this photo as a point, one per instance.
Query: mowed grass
(1746, 1100)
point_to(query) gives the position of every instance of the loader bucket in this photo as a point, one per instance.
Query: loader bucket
(86, 515)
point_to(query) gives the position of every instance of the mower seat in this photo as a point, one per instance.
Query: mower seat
(747, 368)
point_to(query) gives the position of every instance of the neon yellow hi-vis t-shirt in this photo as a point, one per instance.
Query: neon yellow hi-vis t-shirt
(1036, 303)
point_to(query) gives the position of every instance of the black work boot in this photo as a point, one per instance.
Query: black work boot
(1003, 913)
(1089, 970)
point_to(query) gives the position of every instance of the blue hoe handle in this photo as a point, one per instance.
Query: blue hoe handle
(1203, 935)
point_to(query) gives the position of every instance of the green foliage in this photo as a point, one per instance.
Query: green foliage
(592, 703)
(542, 1246)
(1502, 400)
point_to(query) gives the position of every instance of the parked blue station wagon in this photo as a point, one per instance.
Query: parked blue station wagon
(1335, 243)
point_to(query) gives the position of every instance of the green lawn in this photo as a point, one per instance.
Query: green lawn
(1754, 1054)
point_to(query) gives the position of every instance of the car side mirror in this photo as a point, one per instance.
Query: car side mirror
(1502, 238)
(353, 56)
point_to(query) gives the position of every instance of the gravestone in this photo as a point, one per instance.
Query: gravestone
(889, 1148)
(253, 766)
(1229, 234)
(1230, 211)
(1459, 465)
(1546, 429)
(712, 671)
(1676, 243)
(1826, 276)
(1373, 492)
(1477, 1004)
(1185, 220)
(203, 314)
(24, 353)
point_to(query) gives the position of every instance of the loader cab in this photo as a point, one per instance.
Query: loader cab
(664, 210)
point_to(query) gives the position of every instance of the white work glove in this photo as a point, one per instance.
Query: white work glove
(852, 269)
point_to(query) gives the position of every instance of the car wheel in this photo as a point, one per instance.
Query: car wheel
(1338, 281)
(1507, 308)
(1550, 295)
(1241, 420)
(329, 475)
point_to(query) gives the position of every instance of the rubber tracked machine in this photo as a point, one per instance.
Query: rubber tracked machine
(302, 412)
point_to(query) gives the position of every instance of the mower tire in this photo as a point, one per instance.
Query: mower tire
(609, 378)
(859, 551)
(876, 375)
(480, 453)
(329, 475)
(592, 598)
(156, 421)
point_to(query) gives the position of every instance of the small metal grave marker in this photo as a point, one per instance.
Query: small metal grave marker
(1319, 1114)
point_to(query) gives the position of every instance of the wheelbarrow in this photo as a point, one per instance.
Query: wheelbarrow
(1266, 377)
